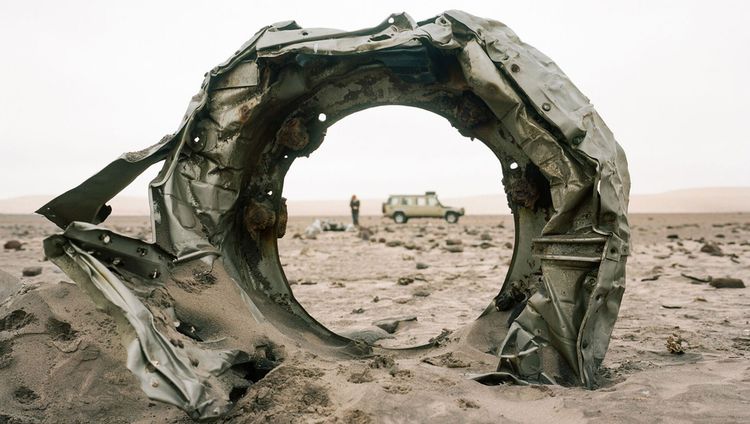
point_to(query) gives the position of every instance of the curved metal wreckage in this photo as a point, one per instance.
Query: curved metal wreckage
(217, 207)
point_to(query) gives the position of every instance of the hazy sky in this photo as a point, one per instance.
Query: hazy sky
(84, 82)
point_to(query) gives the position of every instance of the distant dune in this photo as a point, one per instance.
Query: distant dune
(698, 200)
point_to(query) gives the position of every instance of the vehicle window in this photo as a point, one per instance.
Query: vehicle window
(421, 201)
(404, 201)
(432, 201)
(409, 201)
(394, 200)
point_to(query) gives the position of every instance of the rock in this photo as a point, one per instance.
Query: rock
(673, 236)
(454, 249)
(394, 243)
(421, 265)
(13, 245)
(508, 245)
(712, 249)
(405, 281)
(365, 233)
(421, 293)
(410, 246)
(390, 325)
(31, 271)
(727, 283)
(453, 242)
(358, 311)
(486, 245)
(676, 344)
(381, 240)
(485, 237)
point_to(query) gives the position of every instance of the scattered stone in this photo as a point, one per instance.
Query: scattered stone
(381, 240)
(405, 281)
(453, 242)
(467, 404)
(376, 299)
(394, 243)
(486, 245)
(13, 245)
(668, 306)
(700, 299)
(421, 265)
(410, 246)
(727, 283)
(454, 249)
(508, 245)
(652, 278)
(365, 233)
(31, 271)
(676, 344)
(390, 325)
(673, 236)
(712, 249)
(421, 293)
(485, 237)
(358, 311)
(308, 283)
(407, 257)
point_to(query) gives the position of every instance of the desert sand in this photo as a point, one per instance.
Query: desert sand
(61, 360)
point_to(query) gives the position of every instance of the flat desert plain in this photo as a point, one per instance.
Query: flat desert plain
(61, 360)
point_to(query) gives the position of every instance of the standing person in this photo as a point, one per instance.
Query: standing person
(354, 205)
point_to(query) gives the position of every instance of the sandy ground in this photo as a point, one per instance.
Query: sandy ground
(61, 360)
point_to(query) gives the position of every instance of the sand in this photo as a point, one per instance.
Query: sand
(61, 360)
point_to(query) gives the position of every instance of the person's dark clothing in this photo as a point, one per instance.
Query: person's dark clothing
(354, 205)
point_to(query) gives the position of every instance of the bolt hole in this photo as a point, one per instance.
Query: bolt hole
(304, 33)
(270, 192)
(197, 140)
(514, 68)
(514, 165)
(322, 117)
(391, 20)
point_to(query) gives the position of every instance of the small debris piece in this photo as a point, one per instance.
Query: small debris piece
(675, 344)
(453, 242)
(727, 283)
(706, 279)
(666, 306)
(485, 237)
(712, 249)
(394, 243)
(652, 278)
(673, 236)
(405, 281)
(358, 311)
(390, 325)
(454, 249)
(31, 271)
(421, 265)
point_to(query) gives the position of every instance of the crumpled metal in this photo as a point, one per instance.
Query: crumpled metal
(565, 175)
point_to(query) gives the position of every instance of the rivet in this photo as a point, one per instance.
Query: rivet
(547, 107)
(515, 68)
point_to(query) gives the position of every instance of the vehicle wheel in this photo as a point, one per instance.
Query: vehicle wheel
(399, 218)
(451, 218)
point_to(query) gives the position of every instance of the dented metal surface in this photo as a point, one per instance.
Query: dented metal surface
(217, 202)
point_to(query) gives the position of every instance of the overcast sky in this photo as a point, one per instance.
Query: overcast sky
(84, 81)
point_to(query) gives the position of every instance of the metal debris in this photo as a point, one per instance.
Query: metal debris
(218, 200)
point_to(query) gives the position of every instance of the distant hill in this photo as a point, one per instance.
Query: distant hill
(698, 200)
